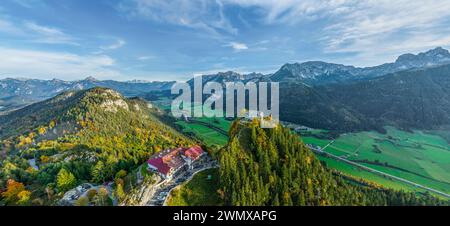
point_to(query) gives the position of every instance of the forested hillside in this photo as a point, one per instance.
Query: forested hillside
(418, 99)
(273, 167)
(94, 136)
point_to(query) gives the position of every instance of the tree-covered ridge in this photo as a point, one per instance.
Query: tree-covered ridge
(418, 99)
(94, 136)
(273, 167)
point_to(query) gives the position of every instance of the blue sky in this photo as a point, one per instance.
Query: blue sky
(176, 39)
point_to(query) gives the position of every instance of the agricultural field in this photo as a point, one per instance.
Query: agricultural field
(208, 133)
(420, 157)
(211, 131)
(200, 191)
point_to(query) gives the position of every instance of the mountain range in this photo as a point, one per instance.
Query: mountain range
(16, 93)
(310, 73)
(320, 73)
(407, 99)
(411, 92)
(95, 135)
(315, 73)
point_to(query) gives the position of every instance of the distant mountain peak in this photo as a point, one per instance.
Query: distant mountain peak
(229, 73)
(312, 71)
(91, 79)
(231, 76)
(36, 90)
(311, 64)
(433, 56)
(21, 79)
(438, 50)
(55, 80)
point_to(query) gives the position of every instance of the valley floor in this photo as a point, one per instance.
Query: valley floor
(419, 157)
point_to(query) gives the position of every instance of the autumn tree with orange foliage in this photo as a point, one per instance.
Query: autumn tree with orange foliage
(16, 192)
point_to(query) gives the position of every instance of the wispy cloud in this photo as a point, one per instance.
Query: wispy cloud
(237, 46)
(48, 35)
(378, 29)
(8, 27)
(292, 11)
(145, 58)
(118, 44)
(31, 31)
(29, 3)
(372, 30)
(197, 35)
(206, 15)
(45, 64)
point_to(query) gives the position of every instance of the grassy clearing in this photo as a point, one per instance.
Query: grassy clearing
(208, 135)
(219, 123)
(212, 131)
(200, 191)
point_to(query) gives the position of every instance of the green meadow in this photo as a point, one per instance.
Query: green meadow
(418, 156)
(209, 134)
(202, 190)
(211, 131)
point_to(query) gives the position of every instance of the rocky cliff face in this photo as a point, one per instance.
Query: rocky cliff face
(143, 192)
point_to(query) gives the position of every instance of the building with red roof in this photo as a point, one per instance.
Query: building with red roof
(194, 152)
(157, 164)
(167, 163)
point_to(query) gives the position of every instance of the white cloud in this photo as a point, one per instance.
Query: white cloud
(238, 46)
(29, 3)
(8, 27)
(45, 64)
(118, 44)
(204, 15)
(373, 30)
(49, 35)
(32, 32)
(368, 28)
(43, 30)
(290, 11)
(380, 26)
(145, 58)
